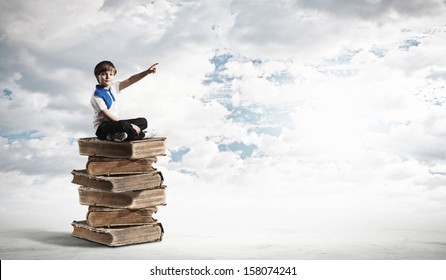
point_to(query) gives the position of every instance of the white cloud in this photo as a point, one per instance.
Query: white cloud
(377, 8)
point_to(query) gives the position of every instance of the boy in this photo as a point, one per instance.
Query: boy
(106, 120)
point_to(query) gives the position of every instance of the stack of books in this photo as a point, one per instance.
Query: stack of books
(122, 190)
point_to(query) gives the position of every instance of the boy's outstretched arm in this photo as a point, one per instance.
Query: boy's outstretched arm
(133, 79)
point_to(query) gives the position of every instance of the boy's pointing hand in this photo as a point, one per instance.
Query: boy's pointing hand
(152, 69)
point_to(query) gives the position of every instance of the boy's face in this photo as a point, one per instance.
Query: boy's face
(105, 79)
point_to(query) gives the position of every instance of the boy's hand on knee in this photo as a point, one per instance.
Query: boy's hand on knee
(136, 128)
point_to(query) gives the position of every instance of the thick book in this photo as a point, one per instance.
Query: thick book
(132, 199)
(113, 166)
(118, 236)
(120, 183)
(112, 217)
(144, 148)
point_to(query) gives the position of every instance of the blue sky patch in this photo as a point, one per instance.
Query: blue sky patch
(261, 119)
(188, 172)
(242, 114)
(216, 76)
(343, 58)
(379, 52)
(22, 136)
(238, 147)
(7, 94)
(337, 65)
(177, 156)
(72, 140)
(268, 120)
(281, 78)
(268, 130)
(408, 44)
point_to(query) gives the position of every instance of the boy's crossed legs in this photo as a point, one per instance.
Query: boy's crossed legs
(109, 129)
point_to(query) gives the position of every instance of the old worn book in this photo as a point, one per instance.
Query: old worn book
(149, 147)
(112, 217)
(120, 183)
(113, 166)
(118, 236)
(132, 199)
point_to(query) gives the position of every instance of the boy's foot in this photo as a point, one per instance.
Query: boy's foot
(151, 133)
(117, 137)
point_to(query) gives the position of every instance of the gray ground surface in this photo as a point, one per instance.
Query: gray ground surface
(227, 245)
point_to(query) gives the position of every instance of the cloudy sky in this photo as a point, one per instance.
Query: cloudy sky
(309, 113)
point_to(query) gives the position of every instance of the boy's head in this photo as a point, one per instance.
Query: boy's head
(104, 66)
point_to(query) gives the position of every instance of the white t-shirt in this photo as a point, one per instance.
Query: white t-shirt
(99, 104)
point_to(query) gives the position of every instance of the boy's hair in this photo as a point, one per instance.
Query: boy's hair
(104, 66)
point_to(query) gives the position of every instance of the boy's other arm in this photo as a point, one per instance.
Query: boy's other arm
(109, 116)
(135, 78)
